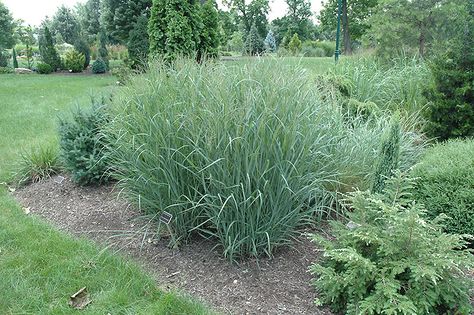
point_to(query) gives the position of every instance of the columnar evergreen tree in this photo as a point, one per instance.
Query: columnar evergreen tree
(15, 62)
(451, 110)
(102, 52)
(270, 43)
(138, 43)
(209, 35)
(389, 156)
(253, 43)
(47, 50)
(174, 28)
(294, 46)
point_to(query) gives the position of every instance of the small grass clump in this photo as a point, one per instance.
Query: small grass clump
(36, 164)
(245, 154)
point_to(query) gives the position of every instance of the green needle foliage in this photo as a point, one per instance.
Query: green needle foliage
(244, 153)
(389, 156)
(48, 52)
(389, 259)
(445, 184)
(81, 146)
(15, 62)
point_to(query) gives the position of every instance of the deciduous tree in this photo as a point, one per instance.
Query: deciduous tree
(354, 19)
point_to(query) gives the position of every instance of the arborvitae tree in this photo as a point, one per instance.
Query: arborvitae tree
(451, 112)
(174, 28)
(103, 53)
(209, 37)
(15, 62)
(47, 50)
(254, 43)
(389, 156)
(82, 47)
(138, 43)
(270, 43)
(294, 46)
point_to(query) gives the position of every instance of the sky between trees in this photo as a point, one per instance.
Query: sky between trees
(34, 11)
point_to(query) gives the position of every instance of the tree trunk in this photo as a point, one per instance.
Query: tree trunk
(345, 27)
(421, 44)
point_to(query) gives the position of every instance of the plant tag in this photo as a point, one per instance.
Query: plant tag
(166, 217)
(59, 179)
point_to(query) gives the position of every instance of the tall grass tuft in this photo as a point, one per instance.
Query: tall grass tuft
(36, 164)
(244, 153)
(395, 87)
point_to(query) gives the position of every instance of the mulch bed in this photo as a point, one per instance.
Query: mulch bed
(281, 285)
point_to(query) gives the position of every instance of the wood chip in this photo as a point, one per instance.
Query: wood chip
(80, 299)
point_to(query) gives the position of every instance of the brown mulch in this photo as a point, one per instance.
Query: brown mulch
(281, 285)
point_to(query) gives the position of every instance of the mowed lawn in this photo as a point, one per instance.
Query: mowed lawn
(39, 266)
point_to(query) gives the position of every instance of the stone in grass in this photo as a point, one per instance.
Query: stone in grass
(23, 71)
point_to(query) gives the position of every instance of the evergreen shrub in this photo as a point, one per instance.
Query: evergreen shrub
(99, 66)
(390, 259)
(74, 61)
(43, 68)
(82, 148)
(445, 184)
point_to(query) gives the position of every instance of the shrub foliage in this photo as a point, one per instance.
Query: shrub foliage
(99, 66)
(74, 61)
(43, 68)
(445, 184)
(48, 52)
(81, 145)
(389, 259)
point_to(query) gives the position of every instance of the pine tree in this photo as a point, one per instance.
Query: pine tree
(138, 43)
(103, 53)
(388, 156)
(294, 46)
(209, 35)
(119, 16)
(48, 52)
(66, 23)
(15, 62)
(254, 43)
(270, 43)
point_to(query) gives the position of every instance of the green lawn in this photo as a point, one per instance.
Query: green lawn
(39, 266)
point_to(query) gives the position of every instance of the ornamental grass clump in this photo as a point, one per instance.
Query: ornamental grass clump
(390, 259)
(245, 154)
